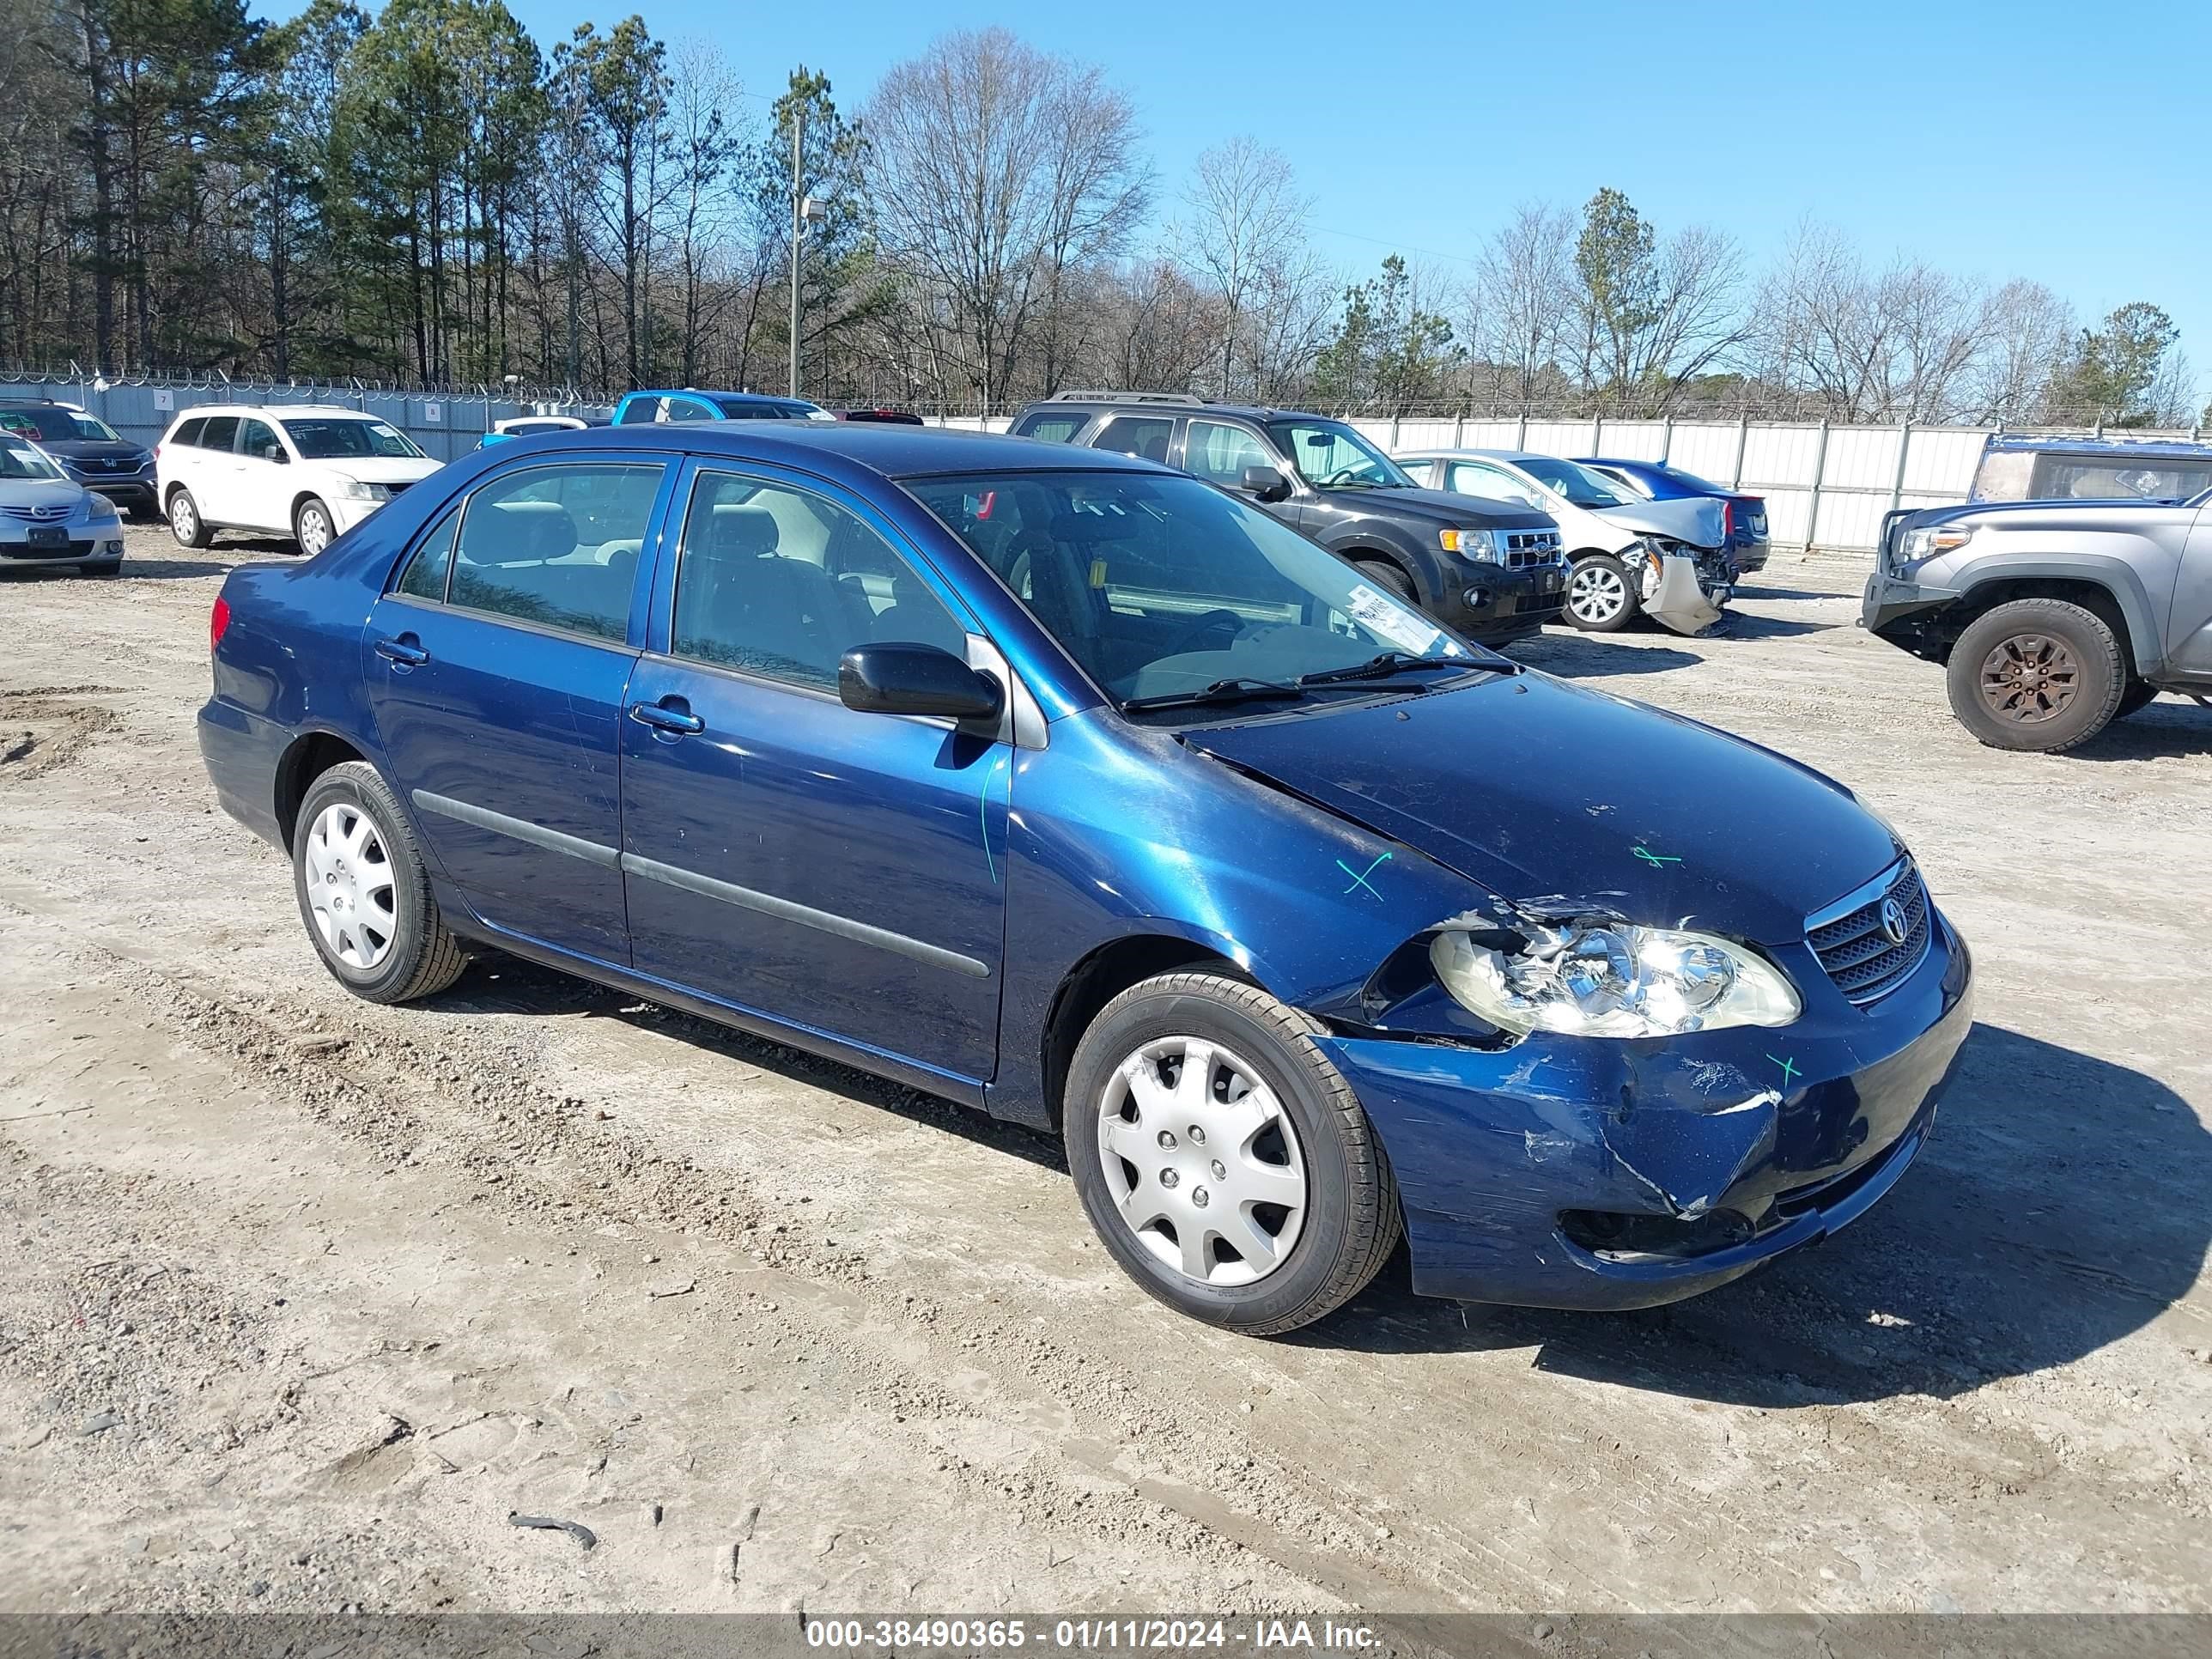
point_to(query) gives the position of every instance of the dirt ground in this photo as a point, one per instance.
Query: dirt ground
(304, 1297)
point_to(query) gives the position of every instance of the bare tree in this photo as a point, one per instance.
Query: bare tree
(1523, 295)
(1651, 314)
(999, 169)
(2028, 338)
(1247, 225)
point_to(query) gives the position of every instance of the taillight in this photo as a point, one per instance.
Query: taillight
(218, 621)
(1728, 519)
(157, 451)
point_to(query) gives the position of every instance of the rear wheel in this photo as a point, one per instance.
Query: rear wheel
(364, 892)
(1601, 596)
(184, 521)
(312, 527)
(1387, 577)
(1224, 1161)
(2036, 674)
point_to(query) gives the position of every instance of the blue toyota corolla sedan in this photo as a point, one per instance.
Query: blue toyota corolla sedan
(1084, 793)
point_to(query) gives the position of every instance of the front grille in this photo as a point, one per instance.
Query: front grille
(37, 514)
(1525, 548)
(64, 555)
(396, 489)
(1856, 949)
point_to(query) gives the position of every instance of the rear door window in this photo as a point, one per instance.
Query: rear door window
(220, 433)
(556, 546)
(188, 434)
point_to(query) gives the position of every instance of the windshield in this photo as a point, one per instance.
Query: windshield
(1581, 486)
(19, 460)
(1162, 586)
(58, 425)
(1331, 456)
(1691, 481)
(337, 439)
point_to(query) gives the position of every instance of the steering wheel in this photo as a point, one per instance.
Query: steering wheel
(1211, 622)
(1338, 476)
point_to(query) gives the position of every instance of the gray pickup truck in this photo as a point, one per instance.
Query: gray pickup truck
(2055, 618)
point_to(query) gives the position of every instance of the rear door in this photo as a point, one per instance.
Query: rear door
(837, 870)
(2189, 633)
(496, 666)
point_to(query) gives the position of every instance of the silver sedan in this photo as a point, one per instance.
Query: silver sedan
(46, 518)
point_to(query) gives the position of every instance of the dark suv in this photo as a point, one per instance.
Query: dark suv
(91, 452)
(1495, 573)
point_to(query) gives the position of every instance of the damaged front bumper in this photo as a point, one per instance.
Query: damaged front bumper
(1688, 592)
(1570, 1172)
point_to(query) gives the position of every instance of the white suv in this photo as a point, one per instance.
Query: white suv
(296, 470)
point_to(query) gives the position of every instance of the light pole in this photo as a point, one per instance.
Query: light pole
(803, 208)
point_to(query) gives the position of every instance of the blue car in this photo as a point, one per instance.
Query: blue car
(661, 408)
(1079, 791)
(1744, 517)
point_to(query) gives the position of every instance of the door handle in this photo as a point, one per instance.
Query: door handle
(677, 720)
(402, 651)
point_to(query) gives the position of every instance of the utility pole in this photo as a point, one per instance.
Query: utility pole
(797, 227)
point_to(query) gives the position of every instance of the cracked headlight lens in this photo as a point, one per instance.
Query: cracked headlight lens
(1614, 980)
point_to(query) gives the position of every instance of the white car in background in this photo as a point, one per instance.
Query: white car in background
(47, 518)
(1624, 556)
(295, 469)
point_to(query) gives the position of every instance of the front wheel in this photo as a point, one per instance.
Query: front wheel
(1387, 577)
(364, 892)
(1601, 596)
(312, 527)
(2036, 674)
(184, 521)
(1222, 1160)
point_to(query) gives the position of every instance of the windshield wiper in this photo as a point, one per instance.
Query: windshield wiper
(1382, 667)
(1240, 689)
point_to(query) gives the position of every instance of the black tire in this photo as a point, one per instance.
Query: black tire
(1352, 1220)
(2040, 675)
(2139, 695)
(1606, 577)
(421, 957)
(305, 518)
(1387, 577)
(195, 531)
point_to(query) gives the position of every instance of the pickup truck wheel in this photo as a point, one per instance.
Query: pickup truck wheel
(364, 892)
(1387, 577)
(1601, 596)
(2037, 674)
(1223, 1159)
(2140, 695)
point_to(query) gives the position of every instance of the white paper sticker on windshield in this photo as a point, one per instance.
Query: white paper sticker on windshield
(1392, 622)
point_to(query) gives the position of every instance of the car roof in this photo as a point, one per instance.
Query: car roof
(2174, 449)
(1475, 455)
(1197, 408)
(890, 450)
(281, 411)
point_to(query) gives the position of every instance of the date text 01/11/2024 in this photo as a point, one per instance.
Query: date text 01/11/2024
(1086, 1635)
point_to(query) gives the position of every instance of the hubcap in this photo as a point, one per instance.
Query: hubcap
(180, 516)
(314, 531)
(1202, 1162)
(1595, 594)
(2030, 679)
(349, 886)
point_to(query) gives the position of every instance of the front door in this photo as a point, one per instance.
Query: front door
(2189, 631)
(497, 668)
(837, 870)
(262, 500)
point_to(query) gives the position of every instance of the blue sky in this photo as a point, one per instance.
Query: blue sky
(2066, 143)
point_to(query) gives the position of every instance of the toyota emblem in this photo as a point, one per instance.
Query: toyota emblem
(1893, 926)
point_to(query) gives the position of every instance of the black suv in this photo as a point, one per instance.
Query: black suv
(1494, 572)
(91, 452)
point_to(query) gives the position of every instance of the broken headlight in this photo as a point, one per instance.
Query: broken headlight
(1607, 979)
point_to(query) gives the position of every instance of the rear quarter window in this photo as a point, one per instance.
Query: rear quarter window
(189, 434)
(1052, 428)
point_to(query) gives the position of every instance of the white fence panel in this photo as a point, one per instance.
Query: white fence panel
(1708, 448)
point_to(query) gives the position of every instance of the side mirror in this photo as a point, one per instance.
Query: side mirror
(275, 452)
(915, 679)
(1266, 483)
